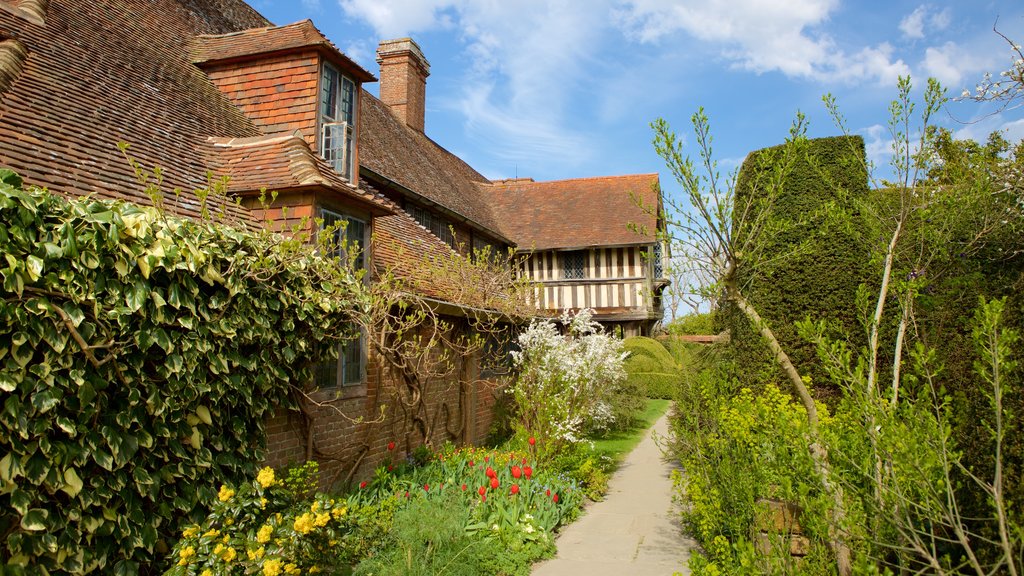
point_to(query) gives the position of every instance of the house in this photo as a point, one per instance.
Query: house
(212, 87)
(587, 244)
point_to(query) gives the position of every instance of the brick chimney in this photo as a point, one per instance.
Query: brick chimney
(403, 80)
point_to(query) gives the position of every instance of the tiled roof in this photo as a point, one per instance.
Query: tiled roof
(401, 247)
(247, 43)
(280, 163)
(102, 72)
(577, 213)
(410, 159)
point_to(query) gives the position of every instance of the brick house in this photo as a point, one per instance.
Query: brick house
(213, 86)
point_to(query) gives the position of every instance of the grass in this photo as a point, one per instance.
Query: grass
(617, 444)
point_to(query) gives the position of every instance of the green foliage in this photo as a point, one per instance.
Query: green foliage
(650, 368)
(265, 527)
(141, 355)
(813, 265)
(505, 505)
(699, 324)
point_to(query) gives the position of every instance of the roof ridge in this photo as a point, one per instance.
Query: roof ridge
(507, 182)
(258, 29)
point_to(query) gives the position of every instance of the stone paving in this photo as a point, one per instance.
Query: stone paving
(634, 531)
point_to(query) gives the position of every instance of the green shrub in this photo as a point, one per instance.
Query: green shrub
(143, 354)
(702, 324)
(650, 368)
(268, 527)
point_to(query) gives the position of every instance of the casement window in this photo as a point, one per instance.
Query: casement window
(436, 224)
(482, 245)
(337, 120)
(349, 238)
(574, 265)
(659, 261)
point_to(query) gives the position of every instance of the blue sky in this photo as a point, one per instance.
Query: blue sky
(568, 89)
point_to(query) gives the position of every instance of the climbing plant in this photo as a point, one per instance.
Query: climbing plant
(139, 356)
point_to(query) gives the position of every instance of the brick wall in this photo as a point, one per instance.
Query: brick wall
(278, 94)
(340, 440)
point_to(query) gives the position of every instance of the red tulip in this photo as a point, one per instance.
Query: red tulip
(532, 440)
(463, 487)
(494, 483)
(407, 494)
(548, 492)
(555, 498)
(515, 489)
(528, 472)
(426, 487)
(362, 484)
(483, 497)
(391, 446)
(491, 473)
(390, 467)
(516, 472)
(524, 461)
(472, 464)
(487, 458)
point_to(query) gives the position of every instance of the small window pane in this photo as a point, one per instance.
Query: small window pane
(573, 265)
(659, 264)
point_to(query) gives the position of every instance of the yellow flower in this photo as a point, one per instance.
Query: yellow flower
(291, 569)
(207, 572)
(225, 493)
(314, 569)
(263, 536)
(229, 521)
(186, 554)
(263, 502)
(190, 532)
(218, 548)
(256, 554)
(272, 567)
(322, 519)
(315, 507)
(339, 512)
(229, 554)
(212, 533)
(303, 524)
(266, 477)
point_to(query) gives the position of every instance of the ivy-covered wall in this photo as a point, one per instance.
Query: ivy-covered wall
(814, 266)
(139, 357)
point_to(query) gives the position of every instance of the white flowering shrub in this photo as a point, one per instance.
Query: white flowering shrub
(566, 380)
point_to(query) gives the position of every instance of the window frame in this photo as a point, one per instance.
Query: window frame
(341, 370)
(343, 90)
(578, 273)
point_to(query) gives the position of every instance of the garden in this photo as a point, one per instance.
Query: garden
(864, 416)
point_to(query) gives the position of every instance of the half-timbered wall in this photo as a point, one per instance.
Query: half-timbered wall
(613, 278)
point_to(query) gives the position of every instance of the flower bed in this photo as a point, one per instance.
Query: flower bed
(501, 508)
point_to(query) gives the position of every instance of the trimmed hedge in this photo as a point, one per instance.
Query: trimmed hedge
(651, 368)
(818, 281)
(139, 357)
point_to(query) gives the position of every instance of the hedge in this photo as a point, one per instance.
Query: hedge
(139, 357)
(820, 280)
(651, 368)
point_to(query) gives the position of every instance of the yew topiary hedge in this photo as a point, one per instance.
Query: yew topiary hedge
(139, 356)
(813, 266)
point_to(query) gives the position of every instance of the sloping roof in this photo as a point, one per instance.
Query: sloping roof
(410, 159)
(268, 39)
(98, 73)
(401, 246)
(578, 213)
(281, 162)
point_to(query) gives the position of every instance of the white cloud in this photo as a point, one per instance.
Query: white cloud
(525, 58)
(952, 64)
(925, 18)
(763, 36)
(397, 18)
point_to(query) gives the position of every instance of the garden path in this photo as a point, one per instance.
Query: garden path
(634, 530)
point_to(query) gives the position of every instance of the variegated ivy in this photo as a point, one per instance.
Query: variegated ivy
(139, 356)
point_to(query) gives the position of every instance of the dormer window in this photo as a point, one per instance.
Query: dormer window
(337, 119)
